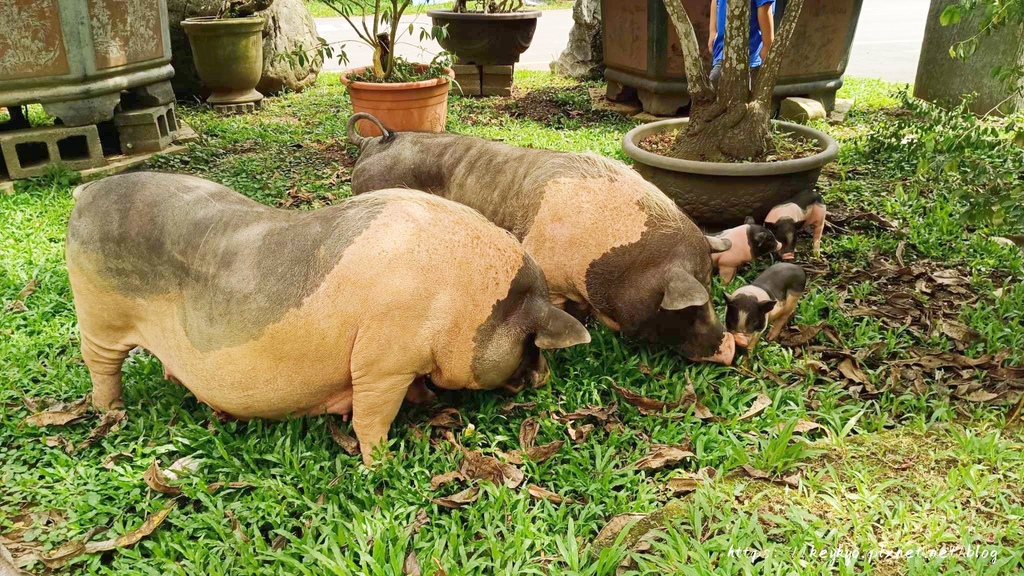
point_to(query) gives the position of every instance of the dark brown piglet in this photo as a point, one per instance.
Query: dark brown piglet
(609, 242)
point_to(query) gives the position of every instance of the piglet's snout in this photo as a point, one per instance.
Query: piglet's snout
(741, 339)
(788, 256)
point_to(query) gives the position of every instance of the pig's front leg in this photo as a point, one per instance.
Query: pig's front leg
(818, 227)
(727, 273)
(375, 403)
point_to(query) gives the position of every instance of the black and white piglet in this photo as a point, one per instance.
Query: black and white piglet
(771, 298)
(805, 211)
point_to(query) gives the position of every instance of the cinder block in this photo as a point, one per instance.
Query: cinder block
(496, 80)
(146, 130)
(28, 153)
(467, 77)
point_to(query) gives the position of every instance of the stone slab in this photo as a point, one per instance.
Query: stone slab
(801, 110)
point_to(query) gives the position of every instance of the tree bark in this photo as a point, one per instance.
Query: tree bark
(735, 123)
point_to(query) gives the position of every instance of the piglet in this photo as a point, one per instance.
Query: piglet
(748, 242)
(772, 297)
(805, 211)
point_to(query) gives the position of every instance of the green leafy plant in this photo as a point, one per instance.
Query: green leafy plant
(991, 15)
(979, 160)
(377, 23)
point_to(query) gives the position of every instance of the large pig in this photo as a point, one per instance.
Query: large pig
(610, 243)
(265, 313)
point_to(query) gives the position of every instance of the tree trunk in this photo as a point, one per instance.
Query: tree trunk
(734, 123)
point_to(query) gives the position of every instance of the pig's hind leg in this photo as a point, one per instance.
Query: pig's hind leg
(104, 362)
(818, 228)
(782, 315)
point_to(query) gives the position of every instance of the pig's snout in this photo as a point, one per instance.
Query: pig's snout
(726, 351)
(788, 256)
(742, 340)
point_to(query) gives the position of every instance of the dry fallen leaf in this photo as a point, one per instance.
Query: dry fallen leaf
(439, 480)
(959, 332)
(662, 455)
(528, 433)
(802, 336)
(59, 441)
(349, 444)
(755, 473)
(440, 570)
(411, 566)
(477, 466)
(156, 480)
(645, 404)
(600, 413)
(760, 403)
(538, 493)
(28, 290)
(509, 407)
(579, 435)
(236, 527)
(850, 370)
(446, 418)
(980, 396)
(109, 422)
(114, 458)
(74, 548)
(793, 480)
(467, 496)
(802, 426)
(689, 481)
(215, 486)
(182, 467)
(61, 413)
(422, 519)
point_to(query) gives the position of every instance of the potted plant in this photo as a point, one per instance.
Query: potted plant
(227, 50)
(401, 94)
(496, 33)
(721, 164)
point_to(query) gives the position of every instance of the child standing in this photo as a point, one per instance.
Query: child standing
(762, 34)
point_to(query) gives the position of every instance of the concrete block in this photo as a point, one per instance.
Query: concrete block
(146, 130)
(496, 80)
(28, 153)
(468, 77)
(841, 109)
(801, 110)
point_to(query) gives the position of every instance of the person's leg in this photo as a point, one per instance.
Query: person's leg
(716, 73)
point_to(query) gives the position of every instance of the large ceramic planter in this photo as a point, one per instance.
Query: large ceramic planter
(486, 39)
(718, 195)
(228, 54)
(75, 57)
(642, 54)
(404, 106)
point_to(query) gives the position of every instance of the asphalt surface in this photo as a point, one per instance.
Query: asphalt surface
(887, 43)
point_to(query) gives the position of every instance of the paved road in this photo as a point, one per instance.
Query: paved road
(887, 43)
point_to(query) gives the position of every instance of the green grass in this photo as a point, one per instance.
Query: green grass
(321, 10)
(901, 470)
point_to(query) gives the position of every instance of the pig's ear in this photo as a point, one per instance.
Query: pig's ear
(728, 297)
(767, 307)
(557, 329)
(683, 291)
(749, 220)
(718, 244)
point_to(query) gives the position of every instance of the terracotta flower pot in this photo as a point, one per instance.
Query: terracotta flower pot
(228, 54)
(403, 106)
(718, 195)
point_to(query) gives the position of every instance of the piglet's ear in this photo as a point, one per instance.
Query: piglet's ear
(682, 290)
(557, 329)
(718, 244)
(767, 307)
(749, 220)
(728, 297)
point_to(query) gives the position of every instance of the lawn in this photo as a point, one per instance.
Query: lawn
(883, 424)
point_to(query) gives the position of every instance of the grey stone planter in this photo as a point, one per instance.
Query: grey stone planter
(486, 39)
(719, 194)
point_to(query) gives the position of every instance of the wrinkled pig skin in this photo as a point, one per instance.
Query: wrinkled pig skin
(610, 243)
(268, 313)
